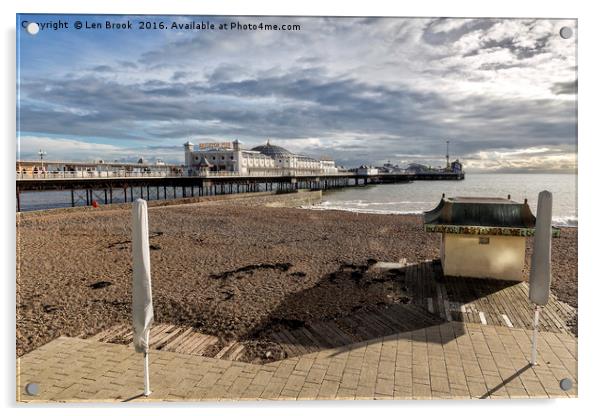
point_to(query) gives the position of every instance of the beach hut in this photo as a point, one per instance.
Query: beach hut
(482, 237)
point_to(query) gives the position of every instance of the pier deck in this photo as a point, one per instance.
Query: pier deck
(109, 189)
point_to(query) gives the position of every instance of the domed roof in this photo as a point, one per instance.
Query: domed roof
(271, 150)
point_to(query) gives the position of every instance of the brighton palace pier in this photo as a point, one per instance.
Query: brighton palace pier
(208, 169)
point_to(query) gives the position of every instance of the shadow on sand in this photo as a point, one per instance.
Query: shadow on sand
(362, 303)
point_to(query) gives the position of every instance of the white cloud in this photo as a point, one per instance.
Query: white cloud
(64, 149)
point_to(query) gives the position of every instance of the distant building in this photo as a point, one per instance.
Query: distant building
(417, 168)
(230, 157)
(367, 170)
(456, 166)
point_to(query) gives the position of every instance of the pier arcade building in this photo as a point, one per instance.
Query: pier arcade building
(266, 159)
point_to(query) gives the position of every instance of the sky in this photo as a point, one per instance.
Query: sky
(360, 90)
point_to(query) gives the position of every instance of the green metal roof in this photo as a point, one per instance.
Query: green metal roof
(481, 216)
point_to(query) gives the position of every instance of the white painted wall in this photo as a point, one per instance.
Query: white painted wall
(503, 258)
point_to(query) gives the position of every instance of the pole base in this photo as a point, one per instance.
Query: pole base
(147, 393)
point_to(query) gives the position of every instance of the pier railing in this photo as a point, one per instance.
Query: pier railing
(159, 174)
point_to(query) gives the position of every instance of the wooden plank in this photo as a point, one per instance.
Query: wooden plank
(356, 333)
(194, 343)
(311, 337)
(206, 342)
(384, 327)
(235, 352)
(482, 318)
(169, 337)
(495, 308)
(159, 337)
(507, 321)
(362, 333)
(411, 317)
(447, 310)
(157, 333)
(114, 332)
(283, 342)
(429, 302)
(332, 333)
(102, 334)
(177, 340)
(293, 342)
(307, 343)
(392, 326)
(184, 346)
(224, 350)
(508, 304)
(374, 328)
(397, 322)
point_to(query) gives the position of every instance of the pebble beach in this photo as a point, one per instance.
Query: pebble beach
(226, 269)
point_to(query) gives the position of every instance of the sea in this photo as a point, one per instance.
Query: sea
(406, 198)
(419, 196)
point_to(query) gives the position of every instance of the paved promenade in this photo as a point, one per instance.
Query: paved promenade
(448, 361)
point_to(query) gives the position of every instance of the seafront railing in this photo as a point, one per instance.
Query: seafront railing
(93, 174)
(159, 174)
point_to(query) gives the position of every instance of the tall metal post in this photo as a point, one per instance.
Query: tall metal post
(534, 340)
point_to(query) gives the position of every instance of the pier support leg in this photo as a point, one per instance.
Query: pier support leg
(132, 194)
(87, 197)
(125, 194)
(72, 198)
(111, 195)
(106, 196)
(18, 201)
(164, 192)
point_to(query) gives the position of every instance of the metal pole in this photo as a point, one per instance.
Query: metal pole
(147, 390)
(534, 341)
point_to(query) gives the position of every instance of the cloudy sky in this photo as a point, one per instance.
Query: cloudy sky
(362, 90)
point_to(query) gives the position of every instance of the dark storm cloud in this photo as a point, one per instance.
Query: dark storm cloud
(179, 75)
(433, 37)
(102, 68)
(568, 88)
(127, 64)
(510, 43)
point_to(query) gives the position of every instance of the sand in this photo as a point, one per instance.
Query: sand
(226, 269)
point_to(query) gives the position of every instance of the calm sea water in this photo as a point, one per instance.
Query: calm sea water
(406, 198)
(421, 196)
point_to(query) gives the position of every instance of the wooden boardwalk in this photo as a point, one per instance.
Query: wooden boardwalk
(483, 301)
(434, 300)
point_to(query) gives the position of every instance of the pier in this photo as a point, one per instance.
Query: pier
(108, 189)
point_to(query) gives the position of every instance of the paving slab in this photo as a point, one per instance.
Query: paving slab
(478, 361)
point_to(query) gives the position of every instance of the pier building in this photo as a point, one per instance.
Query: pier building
(267, 159)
